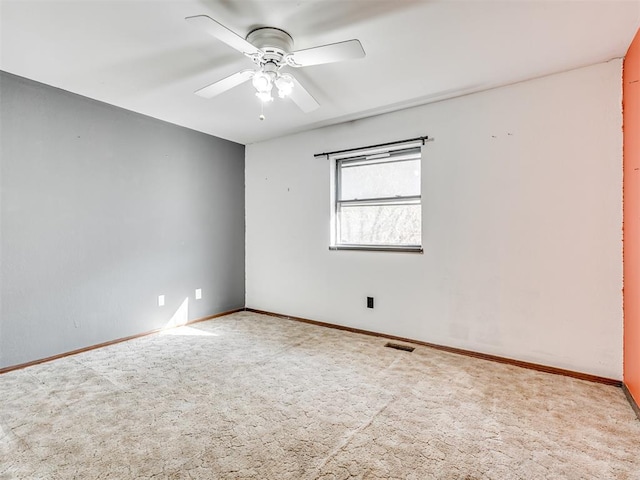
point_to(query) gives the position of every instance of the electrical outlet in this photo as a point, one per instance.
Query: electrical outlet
(198, 293)
(369, 302)
(161, 300)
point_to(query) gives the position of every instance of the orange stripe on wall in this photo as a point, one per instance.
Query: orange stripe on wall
(631, 121)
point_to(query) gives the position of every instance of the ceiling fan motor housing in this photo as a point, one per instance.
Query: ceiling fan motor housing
(275, 44)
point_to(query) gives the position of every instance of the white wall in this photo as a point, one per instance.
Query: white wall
(521, 225)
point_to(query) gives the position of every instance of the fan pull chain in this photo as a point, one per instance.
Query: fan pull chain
(261, 117)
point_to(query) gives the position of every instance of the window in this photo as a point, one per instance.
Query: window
(377, 199)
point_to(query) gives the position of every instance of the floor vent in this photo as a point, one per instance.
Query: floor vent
(397, 346)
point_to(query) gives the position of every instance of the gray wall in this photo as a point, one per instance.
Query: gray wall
(101, 211)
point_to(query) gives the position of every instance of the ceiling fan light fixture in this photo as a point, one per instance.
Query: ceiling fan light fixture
(262, 82)
(264, 96)
(284, 83)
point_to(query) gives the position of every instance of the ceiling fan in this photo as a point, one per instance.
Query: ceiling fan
(271, 50)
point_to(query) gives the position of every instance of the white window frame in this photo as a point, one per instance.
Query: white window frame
(339, 158)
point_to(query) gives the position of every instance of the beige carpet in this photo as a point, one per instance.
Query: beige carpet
(253, 397)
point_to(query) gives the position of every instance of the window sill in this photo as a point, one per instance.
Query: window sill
(378, 248)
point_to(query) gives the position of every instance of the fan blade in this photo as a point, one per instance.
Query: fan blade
(225, 84)
(334, 52)
(222, 33)
(302, 98)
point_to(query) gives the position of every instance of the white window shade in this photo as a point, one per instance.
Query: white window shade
(394, 175)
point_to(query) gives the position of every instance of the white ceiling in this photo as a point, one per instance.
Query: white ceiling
(142, 55)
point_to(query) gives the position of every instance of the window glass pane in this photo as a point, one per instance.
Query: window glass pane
(380, 180)
(380, 224)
